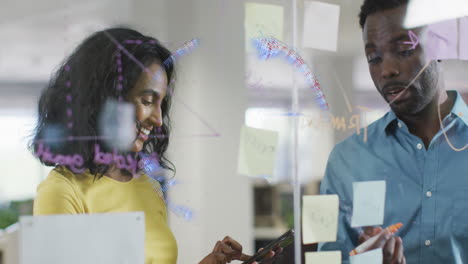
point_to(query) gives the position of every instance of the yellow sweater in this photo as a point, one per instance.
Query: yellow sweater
(64, 192)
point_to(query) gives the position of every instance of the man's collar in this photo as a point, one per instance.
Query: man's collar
(460, 109)
(389, 118)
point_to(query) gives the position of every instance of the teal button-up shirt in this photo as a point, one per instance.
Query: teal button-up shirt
(427, 189)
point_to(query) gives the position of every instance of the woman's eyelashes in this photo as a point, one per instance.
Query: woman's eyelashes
(147, 101)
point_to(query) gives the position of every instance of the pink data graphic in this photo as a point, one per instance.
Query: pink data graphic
(414, 40)
(270, 47)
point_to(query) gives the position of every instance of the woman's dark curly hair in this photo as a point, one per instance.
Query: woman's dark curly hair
(85, 81)
(370, 7)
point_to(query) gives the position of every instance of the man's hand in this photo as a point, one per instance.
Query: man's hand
(224, 252)
(392, 247)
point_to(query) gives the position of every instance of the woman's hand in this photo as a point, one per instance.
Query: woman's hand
(271, 256)
(224, 252)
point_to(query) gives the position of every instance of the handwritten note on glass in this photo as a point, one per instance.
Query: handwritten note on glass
(320, 25)
(329, 257)
(370, 257)
(257, 152)
(368, 203)
(319, 218)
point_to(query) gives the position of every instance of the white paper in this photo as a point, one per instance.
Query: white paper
(368, 203)
(85, 238)
(371, 257)
(325, 257)
(425, 12)
(320, 25)
(257, 152)
(319, 218)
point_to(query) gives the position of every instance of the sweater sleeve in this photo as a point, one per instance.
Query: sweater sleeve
(56, 195)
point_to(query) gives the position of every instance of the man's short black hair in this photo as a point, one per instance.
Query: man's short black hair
(370, 7)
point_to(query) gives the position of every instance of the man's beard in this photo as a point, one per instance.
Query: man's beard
(422, 94)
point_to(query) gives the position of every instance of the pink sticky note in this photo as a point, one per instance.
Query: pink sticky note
(463, 38)
(442, 40)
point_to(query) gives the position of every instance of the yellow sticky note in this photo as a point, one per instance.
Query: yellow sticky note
(257, 151)
(262, 20)
(319, 218)
(328, 257)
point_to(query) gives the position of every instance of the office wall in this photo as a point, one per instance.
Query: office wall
(213, 92)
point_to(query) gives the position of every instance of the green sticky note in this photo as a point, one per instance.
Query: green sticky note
(319, 218)
(257, 152)
(262, 20)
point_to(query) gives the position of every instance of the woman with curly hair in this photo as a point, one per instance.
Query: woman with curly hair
(95, 172)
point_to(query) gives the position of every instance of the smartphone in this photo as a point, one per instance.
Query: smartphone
(281, 242)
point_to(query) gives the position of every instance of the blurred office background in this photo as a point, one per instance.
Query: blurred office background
(220, 87)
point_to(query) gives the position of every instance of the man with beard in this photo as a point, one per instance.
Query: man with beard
(418, 148)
